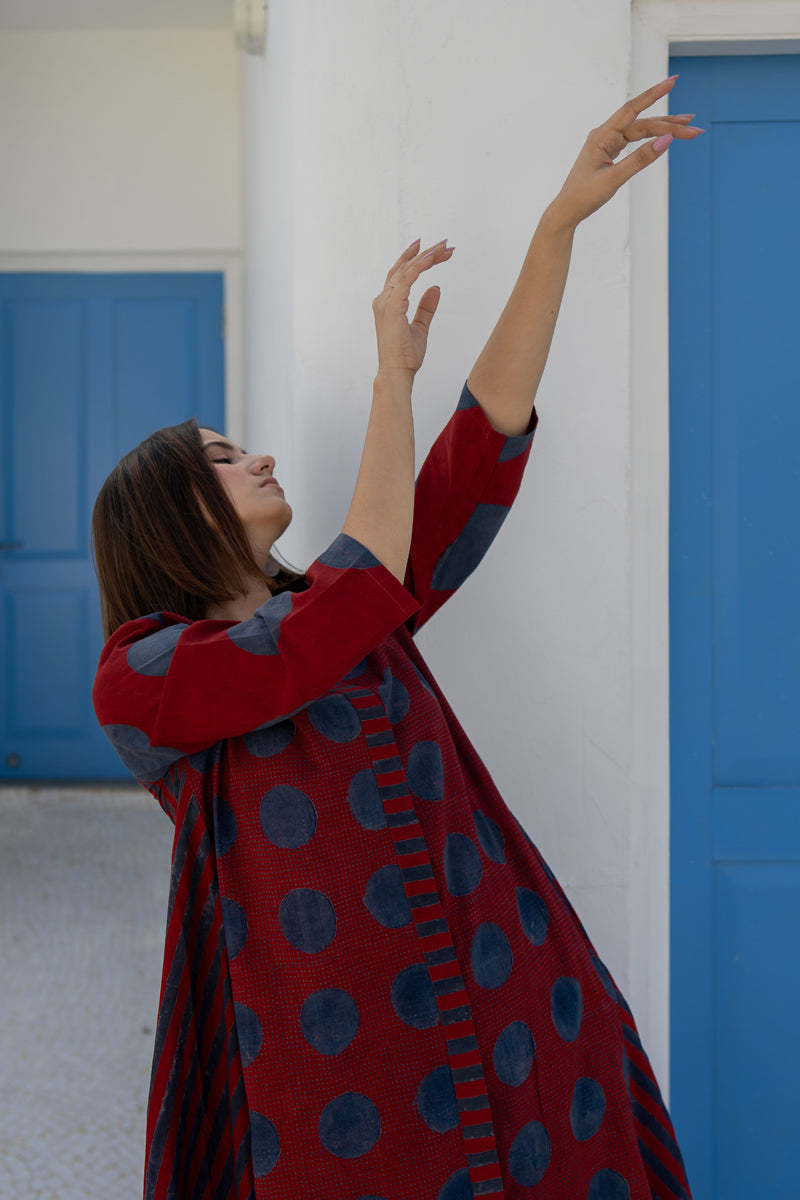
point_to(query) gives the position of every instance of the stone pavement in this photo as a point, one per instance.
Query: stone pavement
(84, 880)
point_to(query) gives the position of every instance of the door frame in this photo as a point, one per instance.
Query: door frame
(228, 265)
(661, 29)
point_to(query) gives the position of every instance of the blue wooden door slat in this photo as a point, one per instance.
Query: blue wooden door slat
(89, 365)
(734, 629)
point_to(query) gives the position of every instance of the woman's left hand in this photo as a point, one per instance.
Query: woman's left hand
(596, 176)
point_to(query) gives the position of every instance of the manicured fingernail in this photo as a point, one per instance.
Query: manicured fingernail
(430, 254)
(670, 78)
(662, 142)
(685, 116)
(415, 242)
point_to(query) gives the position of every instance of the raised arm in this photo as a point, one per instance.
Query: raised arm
(506, 376)
(381, 512)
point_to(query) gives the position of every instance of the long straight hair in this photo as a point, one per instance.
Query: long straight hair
(166, 537)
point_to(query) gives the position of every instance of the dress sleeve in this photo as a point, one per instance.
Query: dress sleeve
(166, 686)
(464, 491)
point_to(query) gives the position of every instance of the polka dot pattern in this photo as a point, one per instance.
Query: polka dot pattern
(491, 956)
(436, 1101)
(261, 633)
(608, 1185)
(425, 772)
(365, 800)
(329, 1020)
(534, 915)
(235, 922)
(462, 865)
(385, 898)
(248, 1027)
(225, 828)
(335, 719)
(271, 740)
(513, 1055)
(463, 555)
(458, 1187)
(349, 1126)
(288, 817)
(529, 1154)
(152, 655)
(148, 763)
(394, 697)
(490, 836)
(413, 998)
(265, 1146)
(307, 920)
(605, 978)
(566, 1006)
(587, 1109)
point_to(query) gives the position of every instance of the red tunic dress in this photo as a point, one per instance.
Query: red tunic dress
(373, 987)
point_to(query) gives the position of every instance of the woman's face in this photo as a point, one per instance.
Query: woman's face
(253, 490)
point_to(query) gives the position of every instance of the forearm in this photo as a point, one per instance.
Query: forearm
(382, 508)
(506, 376)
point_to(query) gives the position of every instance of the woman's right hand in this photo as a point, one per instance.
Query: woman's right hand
(402, 343)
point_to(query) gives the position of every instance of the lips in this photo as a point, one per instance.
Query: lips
(272, 482)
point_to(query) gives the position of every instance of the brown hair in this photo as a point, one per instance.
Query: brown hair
(165, 536)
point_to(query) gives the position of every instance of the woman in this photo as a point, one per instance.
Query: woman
(373, 987)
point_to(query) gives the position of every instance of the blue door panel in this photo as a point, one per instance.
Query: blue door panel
(90, 364)
(734, 628)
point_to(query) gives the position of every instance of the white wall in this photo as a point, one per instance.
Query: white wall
(367, 124)
(119, 141)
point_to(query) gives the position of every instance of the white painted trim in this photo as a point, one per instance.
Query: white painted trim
(229, 263)
(659, 28)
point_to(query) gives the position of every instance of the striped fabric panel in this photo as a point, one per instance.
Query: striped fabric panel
(198, 1131)
(661, 1156)
(455, 1013)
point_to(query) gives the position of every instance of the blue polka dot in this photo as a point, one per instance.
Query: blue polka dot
(425, 773)
(205, 760)
(370, 1198)
(152, 655)
(462, 865)
(265, 743)
(329, 1020)
(335, 718)
(307, 920)
(288, 817)
(534, 915)
(365, 800)
(345, 551)
(148, 763)
(235, 924)
(608, 1185)
(490, 836)
(394, 697)
(225, 829)
(248, 1027)
(349, 1126)
(413, 998)
(436, 1100)
(566, 1006)
(265, 1146)
(588, 1106)
(529, 1154)
(463, 555)
(491, 956)
(458, 1187)
(385, 898)
(605, 978)
(514, 1052)
(261, 633)
(357, 670)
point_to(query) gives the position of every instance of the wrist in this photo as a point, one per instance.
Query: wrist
(558, 219)
(393, 381)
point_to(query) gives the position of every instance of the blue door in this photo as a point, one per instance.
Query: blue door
(735, 627)
(89, 365)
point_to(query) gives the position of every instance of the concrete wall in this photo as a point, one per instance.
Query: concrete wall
(119, 141)
(367, 124)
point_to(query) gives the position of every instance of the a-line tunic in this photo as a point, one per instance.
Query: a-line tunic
(373, 987)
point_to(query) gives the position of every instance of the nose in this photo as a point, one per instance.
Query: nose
(262, 462)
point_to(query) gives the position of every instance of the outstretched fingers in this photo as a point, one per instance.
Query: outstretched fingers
(630, 110)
